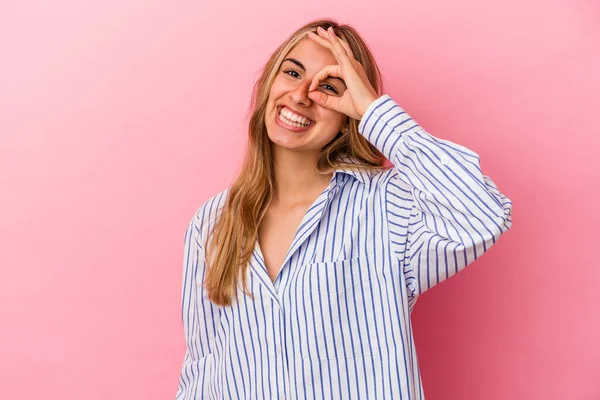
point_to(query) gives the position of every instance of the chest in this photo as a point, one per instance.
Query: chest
(275, 235)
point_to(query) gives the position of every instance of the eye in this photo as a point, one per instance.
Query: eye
(332, 89)
(291, 72)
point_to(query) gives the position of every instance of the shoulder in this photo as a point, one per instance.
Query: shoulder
(387, 180)
(207, 213)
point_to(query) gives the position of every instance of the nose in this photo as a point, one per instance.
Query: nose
(300, 94)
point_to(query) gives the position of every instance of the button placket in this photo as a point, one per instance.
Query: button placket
(275, 348)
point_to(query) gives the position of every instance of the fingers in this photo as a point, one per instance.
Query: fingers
(348, 49)
(337, 43)
(318, 97)
(326, 101)
(331, 41)
(323, 41)
(340, 45)
(329, 70)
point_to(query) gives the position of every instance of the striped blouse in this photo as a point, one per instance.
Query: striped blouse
(335, 323)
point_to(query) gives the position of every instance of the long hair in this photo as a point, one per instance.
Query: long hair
(235, 232)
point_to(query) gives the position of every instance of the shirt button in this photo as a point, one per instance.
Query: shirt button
(282, 397)
(444, 160)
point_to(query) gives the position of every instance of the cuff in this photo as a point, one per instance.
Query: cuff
(384, 123)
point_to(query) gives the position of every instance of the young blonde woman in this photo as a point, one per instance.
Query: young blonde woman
(299, 279)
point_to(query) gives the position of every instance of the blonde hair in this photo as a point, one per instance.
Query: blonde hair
(235, 232)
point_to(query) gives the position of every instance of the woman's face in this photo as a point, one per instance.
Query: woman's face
(288, 101)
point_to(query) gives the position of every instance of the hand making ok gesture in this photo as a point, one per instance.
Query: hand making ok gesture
(359, 93)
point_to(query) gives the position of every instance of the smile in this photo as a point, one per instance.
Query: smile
(290, 120)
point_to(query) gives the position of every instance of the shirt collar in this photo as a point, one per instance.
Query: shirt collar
(362, 176)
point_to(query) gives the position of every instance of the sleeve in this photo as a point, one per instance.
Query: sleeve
(442, 212)
(199, 319)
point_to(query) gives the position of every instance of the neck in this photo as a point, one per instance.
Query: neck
(296, 178)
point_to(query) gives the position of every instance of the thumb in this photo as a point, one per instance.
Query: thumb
(320, 98)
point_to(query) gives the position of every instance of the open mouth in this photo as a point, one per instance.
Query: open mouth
(292, 119)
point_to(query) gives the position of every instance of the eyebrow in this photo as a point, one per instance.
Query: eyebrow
(301, 66)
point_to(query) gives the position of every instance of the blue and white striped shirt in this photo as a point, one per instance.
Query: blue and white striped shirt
(335, 323)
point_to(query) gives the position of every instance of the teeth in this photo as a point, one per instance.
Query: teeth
(291, 123)
(291, 117)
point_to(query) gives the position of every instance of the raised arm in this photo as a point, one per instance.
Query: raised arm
(442, 212)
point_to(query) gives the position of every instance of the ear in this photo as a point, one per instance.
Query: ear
(344, 128)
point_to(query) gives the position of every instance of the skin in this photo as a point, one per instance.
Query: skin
(315, 93)
(331, 88)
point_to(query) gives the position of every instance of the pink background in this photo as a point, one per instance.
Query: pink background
(119, 118)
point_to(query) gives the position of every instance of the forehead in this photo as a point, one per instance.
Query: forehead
(312, 55)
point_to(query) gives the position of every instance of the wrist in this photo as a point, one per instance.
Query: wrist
(366, 104)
